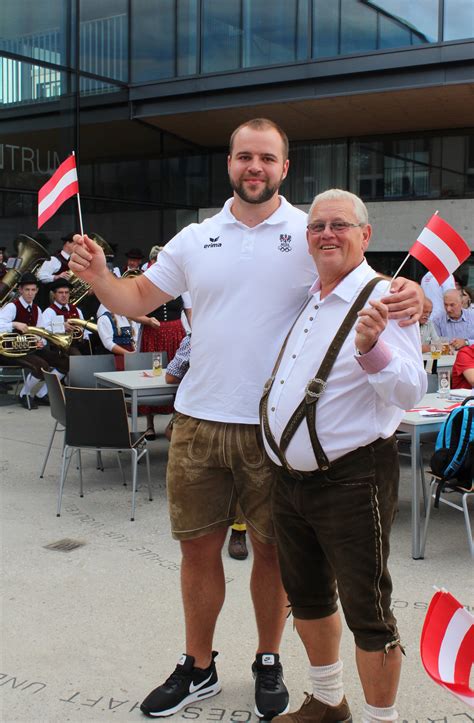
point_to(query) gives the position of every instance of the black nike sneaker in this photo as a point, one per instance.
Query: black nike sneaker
(271, 695)
(185, 685)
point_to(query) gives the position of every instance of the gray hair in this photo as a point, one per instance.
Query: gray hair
(337, 194)
(154, 251)
(453, 291)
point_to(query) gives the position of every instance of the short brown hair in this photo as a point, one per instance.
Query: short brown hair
(262, 124)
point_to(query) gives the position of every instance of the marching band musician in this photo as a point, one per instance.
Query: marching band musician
(18, 315)
(57, 266)
(61, 308)
(134, 260)
(118, 335)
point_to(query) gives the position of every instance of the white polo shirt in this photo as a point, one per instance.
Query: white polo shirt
(246, 285)
(357, 407)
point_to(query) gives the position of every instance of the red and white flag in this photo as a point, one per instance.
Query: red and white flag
(440, 248)
(447, 645)
(62, 185)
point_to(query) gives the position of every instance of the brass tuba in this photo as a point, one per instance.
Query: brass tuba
(13, 344)
(80, 288)
(131, 273)
(30, 253)
(80, 326)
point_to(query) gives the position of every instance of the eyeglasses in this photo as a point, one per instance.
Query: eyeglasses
(335, 226)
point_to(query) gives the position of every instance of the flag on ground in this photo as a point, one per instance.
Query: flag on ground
(62, 185)
(440, 248)
(447, 645)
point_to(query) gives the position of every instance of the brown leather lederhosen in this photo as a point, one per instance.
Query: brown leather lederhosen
(314, 389)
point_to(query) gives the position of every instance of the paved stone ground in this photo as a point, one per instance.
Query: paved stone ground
(87, 633)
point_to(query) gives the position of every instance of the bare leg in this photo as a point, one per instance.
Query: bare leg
(379, 674)
(203, 592)
(268, 595)
(321, 638)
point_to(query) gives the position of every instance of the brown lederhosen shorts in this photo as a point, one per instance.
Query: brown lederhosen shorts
(333, 532)
(211, 466)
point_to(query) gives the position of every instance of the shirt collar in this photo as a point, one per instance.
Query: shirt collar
(350, 284)
(24, 304)
(66, 256)
(277, 217)
(463, 317)
(60, 306)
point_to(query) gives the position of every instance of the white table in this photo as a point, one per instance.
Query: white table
(417, 425)
(445, 361)
(137, 387)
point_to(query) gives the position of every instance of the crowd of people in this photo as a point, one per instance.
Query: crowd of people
(301, 363)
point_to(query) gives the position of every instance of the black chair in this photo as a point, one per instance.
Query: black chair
(82, 368)
(57, 408)
(96, 419)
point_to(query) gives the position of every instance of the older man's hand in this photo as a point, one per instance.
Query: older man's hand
(372, 321)
(87, 258)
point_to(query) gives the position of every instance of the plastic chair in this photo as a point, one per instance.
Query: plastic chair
(82, 368)
(96, 419)
(444, 495)
(57, 408)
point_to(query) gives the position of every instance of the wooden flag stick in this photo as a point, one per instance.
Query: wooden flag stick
(401, 266)
(79, 205)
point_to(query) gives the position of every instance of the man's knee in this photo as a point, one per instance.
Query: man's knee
(266, 552)
(201, 549)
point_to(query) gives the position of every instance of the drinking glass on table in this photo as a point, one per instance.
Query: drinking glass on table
(444, 383)
(436, 347)
(445, 347)
(157, 368)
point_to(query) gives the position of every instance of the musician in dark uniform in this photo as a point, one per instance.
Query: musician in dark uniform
(18, 315)
(58, 314)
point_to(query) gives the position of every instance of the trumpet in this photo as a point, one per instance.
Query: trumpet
(80, 326)
(13, 344)
(81, 288)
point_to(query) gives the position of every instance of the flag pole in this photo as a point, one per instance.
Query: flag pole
(400, 267)
(79, 205)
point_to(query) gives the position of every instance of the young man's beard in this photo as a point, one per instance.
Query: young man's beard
(267, 192)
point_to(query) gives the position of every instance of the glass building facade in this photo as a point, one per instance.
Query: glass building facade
(68, 69)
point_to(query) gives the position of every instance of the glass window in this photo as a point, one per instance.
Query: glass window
(187, 37)
(454, 162)
(358, 27)
(367, 169)
(458, 19)
(271, 31)
(392, 33)
(325, 28)
(221, 36)
(153, 40)
(24, 83)
(420, 18)
(314, 167)
(104, 38)
(39, 30)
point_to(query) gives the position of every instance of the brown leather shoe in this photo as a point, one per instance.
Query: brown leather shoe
(238, 545)
(313, 711)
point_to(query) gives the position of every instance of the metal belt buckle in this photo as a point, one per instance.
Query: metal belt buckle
(320, 383)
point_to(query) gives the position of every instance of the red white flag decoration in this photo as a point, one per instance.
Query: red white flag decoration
(447, 645)
(62, 185)
(440, 248)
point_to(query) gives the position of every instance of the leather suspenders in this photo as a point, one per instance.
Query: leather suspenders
(313, 391)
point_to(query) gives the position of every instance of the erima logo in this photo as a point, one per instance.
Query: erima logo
(268, 660)
(213, 243)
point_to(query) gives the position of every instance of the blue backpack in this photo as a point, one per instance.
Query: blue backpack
(453, 459)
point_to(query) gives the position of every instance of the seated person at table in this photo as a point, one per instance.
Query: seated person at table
(463, 369)
(118, 335)
(428, 332)
(456, 324)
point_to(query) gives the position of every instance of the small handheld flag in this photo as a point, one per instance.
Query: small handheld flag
(440, 248)
(62, 185)
(447, 645)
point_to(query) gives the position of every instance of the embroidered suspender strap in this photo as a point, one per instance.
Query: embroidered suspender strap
(314, 389)
(266, 391)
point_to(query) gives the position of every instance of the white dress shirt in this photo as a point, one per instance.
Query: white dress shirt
(50, 268)
(356, 408)
(106, 332)
(49, 315)
(8, 316)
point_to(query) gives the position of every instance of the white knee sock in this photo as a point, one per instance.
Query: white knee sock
(327, 682)
(43, 390)
(27, 387)
(370, 714)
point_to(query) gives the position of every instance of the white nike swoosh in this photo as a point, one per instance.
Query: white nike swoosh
(193, 688)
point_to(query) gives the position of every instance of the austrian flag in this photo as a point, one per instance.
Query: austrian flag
(447, 645)
(440, 248)
(62, 185)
